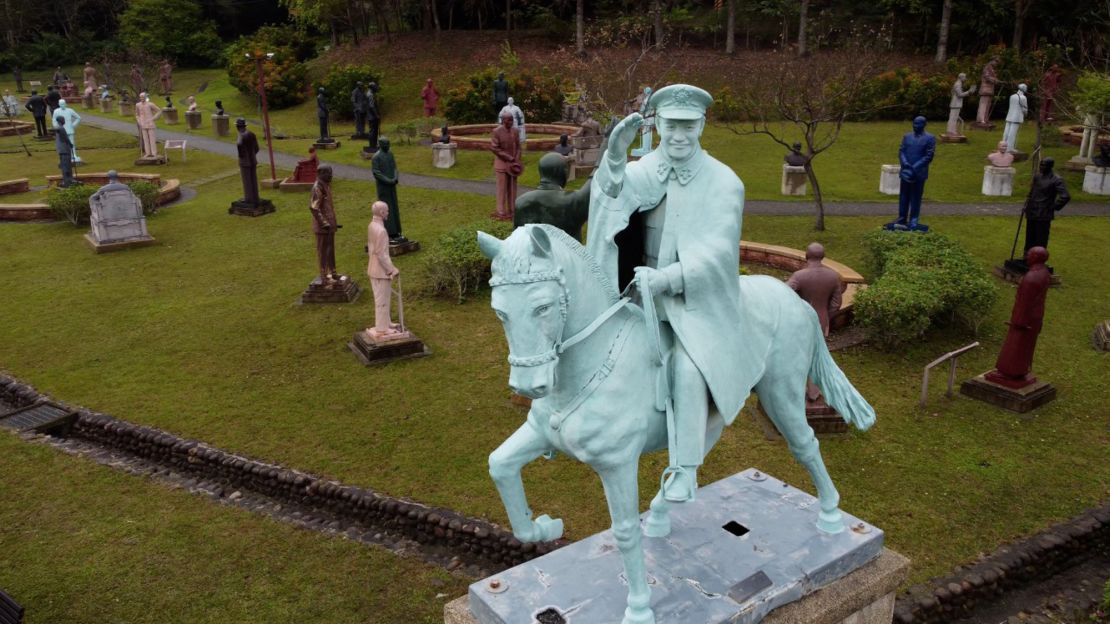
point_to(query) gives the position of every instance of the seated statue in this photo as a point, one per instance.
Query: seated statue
(306, 168)
(550, 204)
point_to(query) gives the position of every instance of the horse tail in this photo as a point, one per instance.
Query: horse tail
(838, 391)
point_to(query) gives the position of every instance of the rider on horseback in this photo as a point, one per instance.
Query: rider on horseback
(687, 251)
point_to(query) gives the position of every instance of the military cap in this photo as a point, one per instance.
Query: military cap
(681, 101)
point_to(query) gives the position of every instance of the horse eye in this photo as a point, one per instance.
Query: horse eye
(543, 309)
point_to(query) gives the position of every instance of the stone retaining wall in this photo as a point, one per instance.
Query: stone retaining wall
(19, 185)
(473, 541)
(477, 136)
(1036, 558)
(26, 212)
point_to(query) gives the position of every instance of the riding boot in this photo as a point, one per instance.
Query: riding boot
(691, 415)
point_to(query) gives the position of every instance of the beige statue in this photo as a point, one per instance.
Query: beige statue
(381, 272)
(192, 102)
(956, 104)
(1002, 157)
(146, 112)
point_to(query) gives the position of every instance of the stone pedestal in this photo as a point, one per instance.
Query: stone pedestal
(290, 185)
(952, 138)
(147, 161)
(170, 115)
(793, 180)
(744, 549)
(1101, 336)
(221, 124)
(192, 119)
(1096, 180)
(1019, 400)
(402, 248)
(247, 209)
(819, 414)
(572, 175)
(998, 181)
(330, 144)
(371, 349)
(444, 154)
(345, 290)
(105, 106)
(87, 101)
(1013, 270)
(889, 182)
(127, 109)
(1077, 163)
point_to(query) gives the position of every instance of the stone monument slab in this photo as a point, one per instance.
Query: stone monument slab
(1096, 180)
(793, 180)
(746, 545)
(116, 220)
(998, 181)
(444, 155)
(889, 182)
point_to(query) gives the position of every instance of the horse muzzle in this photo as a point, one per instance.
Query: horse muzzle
(533, 376)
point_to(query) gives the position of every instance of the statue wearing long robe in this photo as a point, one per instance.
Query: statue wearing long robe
(384, 168)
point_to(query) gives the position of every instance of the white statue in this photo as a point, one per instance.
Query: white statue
(518, 119)
(72, 120)
(956, 104)
(146, 112)
(1019, 107)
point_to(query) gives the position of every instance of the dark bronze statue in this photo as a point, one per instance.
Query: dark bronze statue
(500, 93)
(322, 115)
(550, 204)
(247, 146)
(795, 158)
(1047, 195)
(384, 168)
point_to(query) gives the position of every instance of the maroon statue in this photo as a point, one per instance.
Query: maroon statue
(1015, 361)
(1050, 84)
(818, 284)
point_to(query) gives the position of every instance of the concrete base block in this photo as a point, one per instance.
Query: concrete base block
(371, 350)
(268, 183)
(105, 247)
(998, 181)
(192, 120)
(793, 180)
(326, 145)
(889, 182)
(444, 155)
(953, 138)
(1096, 180)
(146, 161)
(1019, 400)
(221, 124)
(170, 115)
(400, 249)
(343, 291)
(247, 209)
(289, 186)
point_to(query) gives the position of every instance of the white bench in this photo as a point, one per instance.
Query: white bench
(174, 144)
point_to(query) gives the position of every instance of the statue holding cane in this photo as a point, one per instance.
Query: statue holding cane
(382, 273)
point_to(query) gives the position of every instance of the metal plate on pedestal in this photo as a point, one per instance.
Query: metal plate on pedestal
(741, 549)
(43, 417)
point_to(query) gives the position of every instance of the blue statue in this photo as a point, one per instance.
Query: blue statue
(914, 155)
(614, 377)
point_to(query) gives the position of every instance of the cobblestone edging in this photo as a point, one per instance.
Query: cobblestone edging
(1032, 560)
(442, 536)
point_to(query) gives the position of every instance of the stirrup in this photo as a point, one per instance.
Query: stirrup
(669, 470)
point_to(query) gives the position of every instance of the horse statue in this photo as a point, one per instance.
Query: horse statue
(590, 361)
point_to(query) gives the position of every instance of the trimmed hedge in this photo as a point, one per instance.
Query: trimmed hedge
(455, 263)
(72, 204)
(924, 280)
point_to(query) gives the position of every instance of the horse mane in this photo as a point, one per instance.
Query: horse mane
(518, 258)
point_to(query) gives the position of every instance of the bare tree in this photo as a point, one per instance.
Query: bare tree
(812, 97)
(609, 92)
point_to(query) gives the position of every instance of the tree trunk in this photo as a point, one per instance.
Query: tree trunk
(802, 14)
(1021, 7)
(508, 16)
(580, 27)
(819, 225)
(942, 36)
(657, 21)
(730, 28)
(334, 33)
(435, 14)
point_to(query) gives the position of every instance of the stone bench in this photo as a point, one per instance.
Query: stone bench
(790, 259)
(19, 185)
(26, 212)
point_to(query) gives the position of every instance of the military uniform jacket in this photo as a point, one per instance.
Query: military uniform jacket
(37, 106)
(704, 214)
(248, 149)
(322, 207)
(1047, 195)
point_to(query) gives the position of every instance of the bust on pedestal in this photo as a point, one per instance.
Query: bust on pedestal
(794, 172)
(251, 205)
(221, 121)
(116, 218)
(998, 176)
(192, 115)
(444, 152)
(169, 112)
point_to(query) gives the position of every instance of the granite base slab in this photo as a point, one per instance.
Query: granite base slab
(1019, 400)
(326, 145)
(107, 246)
(372, 351)
(400, 249)
(344, 291)
(1011, 272)
(747, 545)
(248, 209)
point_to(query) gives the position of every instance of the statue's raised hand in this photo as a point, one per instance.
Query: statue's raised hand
(622, 137)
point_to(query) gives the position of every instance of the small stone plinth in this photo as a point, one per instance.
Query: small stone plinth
(221, 124)
(1020, 400)
(193, 119)
(170, 115)
(400, 249)
(1096, 180)
(952, 138)
(793, 180)
(18, 185)
(889, 182)
(444, 155)
(100, 248)
(983, 126)
(326, 145)
(87, 102)
(290, 186)
(1101, 336)
(270, 183)
(344, 290)
(105, 106)
(247, 209)
(1013, 270)
(127, 109)
(146, 161)
(998, 181)
(745, 547)
(371, 349)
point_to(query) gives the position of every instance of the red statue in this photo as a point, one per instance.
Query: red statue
(1050, 84)
(1015, 361)
(431, 98)
(306, 169)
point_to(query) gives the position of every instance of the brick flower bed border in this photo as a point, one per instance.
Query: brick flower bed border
(476, 136)
(168, 191)
(1014, 565)
(472, 540)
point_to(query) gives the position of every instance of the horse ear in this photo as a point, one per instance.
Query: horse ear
(490, 245)
(541, 244)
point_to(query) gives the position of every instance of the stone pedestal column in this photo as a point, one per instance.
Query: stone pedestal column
(1087, 146)
(998, 181)
(105, 106)
(221, 124)
(192, 119)
(793, 180)
(87, 101)
(1096, 180)
(889, 182)
(170, 115)
(127, 109)
(443, 155)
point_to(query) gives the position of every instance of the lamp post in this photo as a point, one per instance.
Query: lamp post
(258, 57)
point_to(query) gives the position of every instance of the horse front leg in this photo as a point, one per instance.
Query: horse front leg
(623, 495)
(505, 463)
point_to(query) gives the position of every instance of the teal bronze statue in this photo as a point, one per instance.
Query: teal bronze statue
(669, 364)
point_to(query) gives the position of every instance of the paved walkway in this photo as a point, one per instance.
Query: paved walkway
(489, 189)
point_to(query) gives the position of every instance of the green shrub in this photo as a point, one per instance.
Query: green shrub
(924, 280)
(173, 29)
(456, 264)
(72, 204)
(340, 81)
(539, 95)
(286, 74)
(147, 194)
(904, 94)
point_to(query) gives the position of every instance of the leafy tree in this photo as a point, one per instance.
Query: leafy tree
(174, 29)
(286, 76)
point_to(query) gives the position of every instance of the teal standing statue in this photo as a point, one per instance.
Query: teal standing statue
(614, 377)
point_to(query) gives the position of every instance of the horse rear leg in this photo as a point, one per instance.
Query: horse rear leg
(783, 397)
(623, 495)
(525, 445)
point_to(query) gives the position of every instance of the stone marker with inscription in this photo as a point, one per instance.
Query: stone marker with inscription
(116, 218)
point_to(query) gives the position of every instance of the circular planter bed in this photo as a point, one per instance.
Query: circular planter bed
(476, 136)
(12, 127)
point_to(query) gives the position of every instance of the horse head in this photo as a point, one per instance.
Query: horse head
(530, 299)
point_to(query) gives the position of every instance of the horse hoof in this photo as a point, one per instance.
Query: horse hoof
(831, 522)
(657, 525)
(548, 528)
